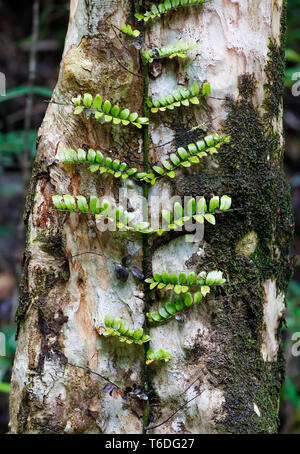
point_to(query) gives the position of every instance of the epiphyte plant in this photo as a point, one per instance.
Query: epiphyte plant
(179, 50)
(165, 7)
(114, 326)
(179, 97)
(184, 290)
(128, 30)
(197, 210)
(182, 282)
(157, 355)
(184, 157)
(106, 112)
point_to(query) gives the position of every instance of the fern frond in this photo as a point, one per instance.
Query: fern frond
(179, 49)
(164, 7)
(198, 212)
(127, 29)
(79, 204)
(202, 148)
(183, 97)
(102, 164)
(106, 112)
(120, 329)
(182, 282)
(157, 355)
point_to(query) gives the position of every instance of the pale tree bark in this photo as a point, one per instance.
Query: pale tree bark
(228, 348)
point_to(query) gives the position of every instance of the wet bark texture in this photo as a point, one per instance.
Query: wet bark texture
(229, 346)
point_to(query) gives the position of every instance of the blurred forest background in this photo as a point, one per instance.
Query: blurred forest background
(31, 68)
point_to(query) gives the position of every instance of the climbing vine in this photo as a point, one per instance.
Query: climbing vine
(183, 291)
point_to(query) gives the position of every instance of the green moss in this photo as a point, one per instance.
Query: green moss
(251, 172)
(275, 70)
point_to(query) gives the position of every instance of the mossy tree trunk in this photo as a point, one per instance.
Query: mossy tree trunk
(229, 346)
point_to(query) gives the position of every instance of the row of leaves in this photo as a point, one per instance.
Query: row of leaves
(179, 97)
(164, 7)
(106, 112)
(195, 151)
(179, 50)
(196, 211)
(170, 310)
(114, 326)
(182, 282)
(209, 145)
(123, 219)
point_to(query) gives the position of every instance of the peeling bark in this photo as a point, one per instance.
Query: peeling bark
(229, 347)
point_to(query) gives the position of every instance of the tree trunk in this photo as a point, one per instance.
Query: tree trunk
(229, 347)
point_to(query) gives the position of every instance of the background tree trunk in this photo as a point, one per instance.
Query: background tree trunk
(229, 347)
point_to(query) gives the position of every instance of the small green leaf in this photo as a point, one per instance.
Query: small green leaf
(201, 205)
(155, 316)
(78, 110)
(214, 204)
(210, 218)
(82, 203)
(99, 157)
(87, 99)
(178, 210)
(205, 89)
(194, 89)
(173, 278)
(182, 153)
(225, 203)
(170, 308)
(191, 207)
(163, 313)
(106, 107)
(188, 299)
(94, 204)
(97, 102)
(179, 304)
(115, 111)
(124, 114)
(197, 297)
(182, 278)
(191, 278)
(138, 333)
(158, 170)
(91, 156)
(81, 155)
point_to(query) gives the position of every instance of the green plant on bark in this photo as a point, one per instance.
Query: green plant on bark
(185, 290)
